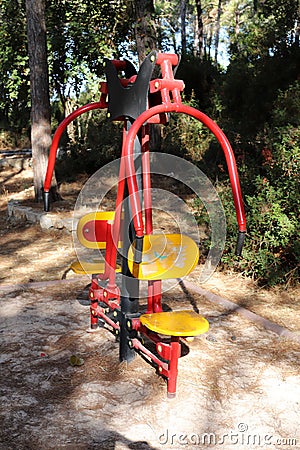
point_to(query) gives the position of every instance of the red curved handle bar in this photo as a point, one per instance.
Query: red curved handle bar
(128, 152)
(57, 135)
(213, 127)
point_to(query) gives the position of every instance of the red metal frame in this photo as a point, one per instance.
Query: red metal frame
(171, 102)
(213, 127)
(57, 136)
(105, 302)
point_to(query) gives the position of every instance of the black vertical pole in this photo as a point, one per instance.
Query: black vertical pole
(129, 102)
(130, 285)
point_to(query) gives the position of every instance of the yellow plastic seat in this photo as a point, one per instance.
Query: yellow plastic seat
(93, 232)
(164, 256)
(90, 268)
(175, 323)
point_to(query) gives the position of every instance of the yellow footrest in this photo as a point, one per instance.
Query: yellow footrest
(90, 268)
(175, 323)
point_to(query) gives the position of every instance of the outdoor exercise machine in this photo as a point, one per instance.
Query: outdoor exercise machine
(138, 101)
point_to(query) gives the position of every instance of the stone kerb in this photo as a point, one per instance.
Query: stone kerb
(19, 212)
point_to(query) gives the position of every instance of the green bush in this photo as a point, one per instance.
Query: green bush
(186, 137)
(272, 249)
(12, 139)
(99, 144)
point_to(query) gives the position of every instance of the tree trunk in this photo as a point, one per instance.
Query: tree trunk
(39, 92)
(237, 22)
(145, 33)
(69, 108)
(297, 28)
(217, 36)
(199, 28)
(183, 26)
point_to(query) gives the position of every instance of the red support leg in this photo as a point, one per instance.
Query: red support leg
(95, 294)
(94, 316)
(157, 295)
(173, 365)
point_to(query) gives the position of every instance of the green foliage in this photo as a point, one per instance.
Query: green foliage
(80, 35)
(14, 72)
(249, 91)
(258, 106)
(97, 145)
(270, 184)
(257, 33)
(14, 139)
(271, 250)
(256, 102)
(201, 78)
(186, 137)
(287, 106)
(95, 141)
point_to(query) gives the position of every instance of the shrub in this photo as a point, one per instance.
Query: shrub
(270, 185)
(100, 144)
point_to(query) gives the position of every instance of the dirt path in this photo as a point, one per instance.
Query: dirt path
(238, 385)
